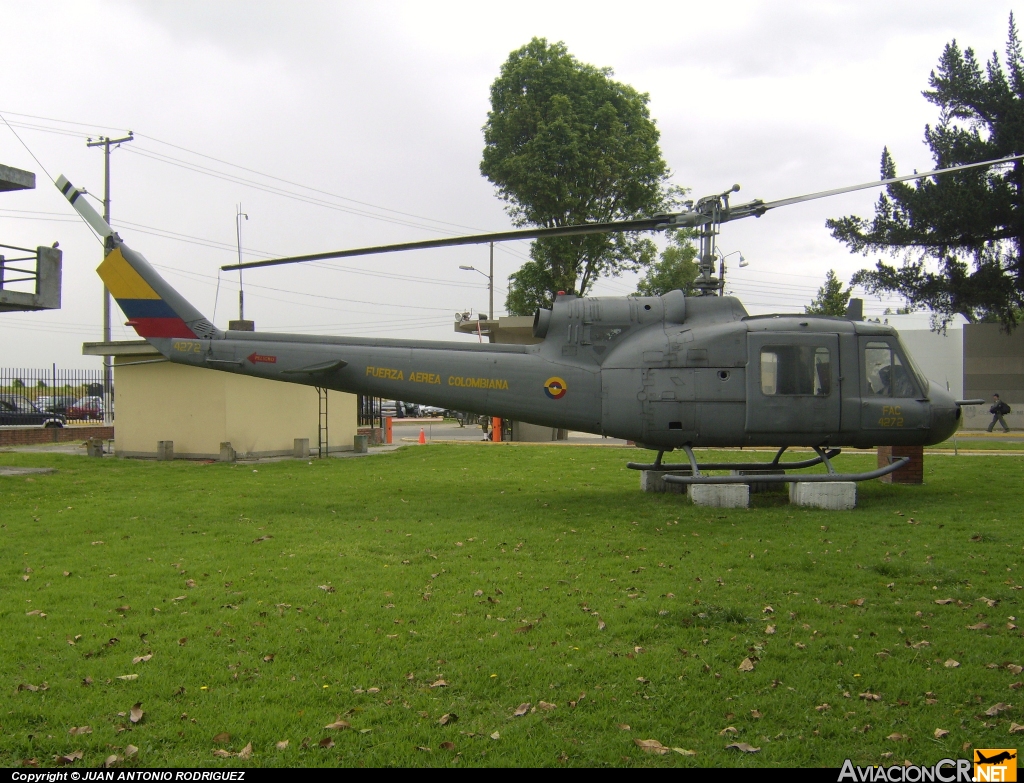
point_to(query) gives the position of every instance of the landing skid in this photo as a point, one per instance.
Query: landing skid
(762, 472)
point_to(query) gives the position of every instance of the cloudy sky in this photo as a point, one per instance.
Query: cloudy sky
(343, 124)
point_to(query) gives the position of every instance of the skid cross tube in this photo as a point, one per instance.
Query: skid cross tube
(896, 464)
(775, 464)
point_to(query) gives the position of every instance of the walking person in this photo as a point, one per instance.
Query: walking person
(998, 410)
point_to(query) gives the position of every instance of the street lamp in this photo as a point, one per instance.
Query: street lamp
(721, 267)
(490, 282)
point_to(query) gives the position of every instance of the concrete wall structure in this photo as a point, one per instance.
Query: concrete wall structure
(993, 364)
(199, 409)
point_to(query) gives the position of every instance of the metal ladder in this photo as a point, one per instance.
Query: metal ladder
(322, 422)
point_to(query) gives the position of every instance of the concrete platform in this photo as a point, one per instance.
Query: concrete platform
(719, 495)
(654, 481)
(10, 471)
(830, 495)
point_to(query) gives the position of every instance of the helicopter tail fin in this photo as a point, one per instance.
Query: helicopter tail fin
(154, 309)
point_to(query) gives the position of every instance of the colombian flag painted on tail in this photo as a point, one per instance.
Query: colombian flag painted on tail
(147, 312)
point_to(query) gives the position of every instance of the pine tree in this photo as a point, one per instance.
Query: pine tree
(961, 235)
(831, 298)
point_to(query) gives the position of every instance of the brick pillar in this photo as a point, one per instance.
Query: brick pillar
(911, 473)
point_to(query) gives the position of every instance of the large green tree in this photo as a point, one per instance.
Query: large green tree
(960, 235)
(676, 269)
(831, 298)
(566, 144)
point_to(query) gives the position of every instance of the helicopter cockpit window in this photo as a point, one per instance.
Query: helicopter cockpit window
(885, 373)
(796, 369)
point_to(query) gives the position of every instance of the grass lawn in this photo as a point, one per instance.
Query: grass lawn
(467, 580)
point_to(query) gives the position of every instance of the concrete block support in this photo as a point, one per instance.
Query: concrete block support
(654, 481)
(227, 452)
(719, 495)
(165, 450)
(301, 448)
(360, 443)
(94, 447)
(831, 495)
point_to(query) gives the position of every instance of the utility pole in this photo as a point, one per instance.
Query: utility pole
(106, 142)
(490, 284)
(239, 214)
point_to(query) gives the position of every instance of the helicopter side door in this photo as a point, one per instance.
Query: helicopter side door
(793, 383)
(891, 401)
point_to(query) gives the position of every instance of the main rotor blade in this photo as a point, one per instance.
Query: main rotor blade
(879, 183)
(644, 224)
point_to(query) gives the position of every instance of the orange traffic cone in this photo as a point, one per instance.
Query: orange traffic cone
(423, 436)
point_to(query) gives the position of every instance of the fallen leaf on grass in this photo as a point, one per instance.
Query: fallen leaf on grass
(424, 748)
(743, 746)
(1014, 668)
(34, 613)
(136, 712)
(868, 696)
(282, 745)
(728, 730)
(747, 665)
(770, 630)
(1016, 685)
(220, 739)
(684, 752)
(128, 677)
(30, 762)
(74, 731)
(978, 627)
(651, 746)
(897, 737)
(245, 752)
(943, 601)
(951, 664)
(521, 710)
(857, 602)
(223, 754)
(995, 709)
(523, 628)
(823, 707)
(623, 726)
(495, 736)
(339, 724)
(989, 602)
(544, 705)
(756, 714)
(326, 742)
(130, 751)
(439, 684)
(940, 733)
(1016, 728)
(190, 583)
(800, 646)
(448, 717)
(111, 760)
(142, 658)
(601, 625)
(643, 680)
(327, 588)
(262, 538)
(69, 758)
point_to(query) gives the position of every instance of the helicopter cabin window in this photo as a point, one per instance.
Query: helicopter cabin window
(796, 369)
(885, 372)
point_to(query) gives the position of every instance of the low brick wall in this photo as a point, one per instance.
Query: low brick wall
(910, 473)
(29, 436)
(374, 435)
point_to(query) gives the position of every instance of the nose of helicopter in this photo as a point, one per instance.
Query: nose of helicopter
(945, 414)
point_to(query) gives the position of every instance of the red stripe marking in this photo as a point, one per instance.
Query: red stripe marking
(160, 327)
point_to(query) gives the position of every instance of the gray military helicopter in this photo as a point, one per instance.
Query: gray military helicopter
(668, 372)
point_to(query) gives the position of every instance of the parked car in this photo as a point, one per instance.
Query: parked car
(431, 411)
(18, 411)
(90, 407)
(57, 404)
